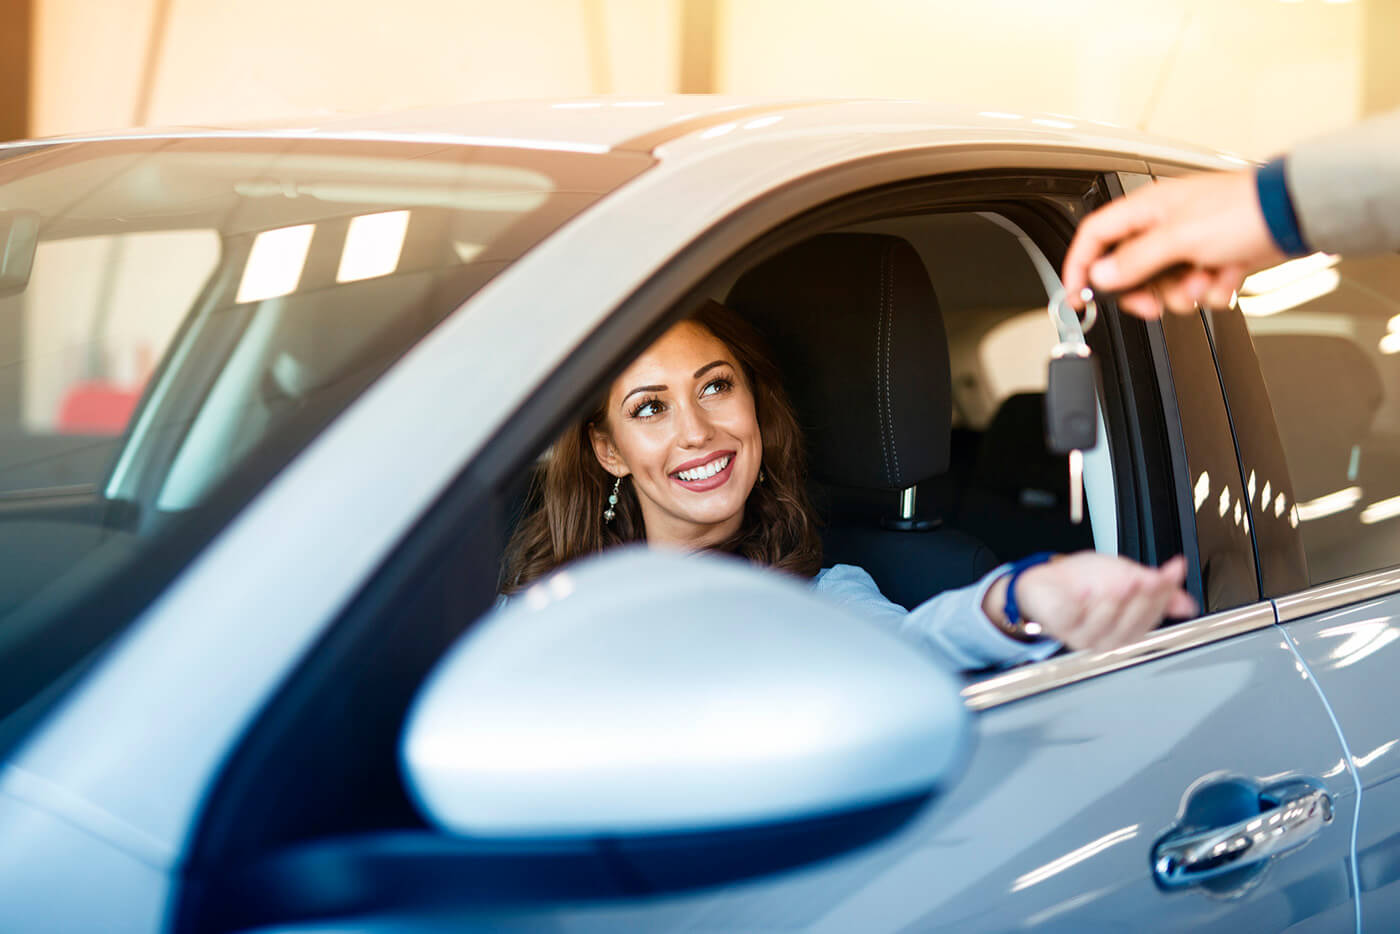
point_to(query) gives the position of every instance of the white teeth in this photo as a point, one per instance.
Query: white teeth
(705, 471)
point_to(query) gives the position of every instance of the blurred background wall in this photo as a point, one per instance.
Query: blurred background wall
(1242, 75)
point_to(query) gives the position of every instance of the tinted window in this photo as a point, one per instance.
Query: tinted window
(1327, 335)
(194, 312)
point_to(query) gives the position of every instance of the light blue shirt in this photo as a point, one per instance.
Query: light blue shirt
(951, 624)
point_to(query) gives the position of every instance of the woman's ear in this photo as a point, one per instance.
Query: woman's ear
(606, 453)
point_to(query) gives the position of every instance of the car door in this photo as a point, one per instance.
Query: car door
(1088, 766)
(1308, 363)
(1091, 771)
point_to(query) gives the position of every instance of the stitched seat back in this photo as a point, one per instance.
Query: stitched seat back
(854, 323)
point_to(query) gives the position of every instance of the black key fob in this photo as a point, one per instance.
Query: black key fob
(1071, 412)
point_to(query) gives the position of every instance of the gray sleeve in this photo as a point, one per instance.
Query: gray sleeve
(1345, 187)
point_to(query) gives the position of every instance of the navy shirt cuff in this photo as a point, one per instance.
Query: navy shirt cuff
(1277, 207)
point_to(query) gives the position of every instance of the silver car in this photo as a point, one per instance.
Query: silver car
(270, 404)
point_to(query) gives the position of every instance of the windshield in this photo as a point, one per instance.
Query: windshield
(180, 317)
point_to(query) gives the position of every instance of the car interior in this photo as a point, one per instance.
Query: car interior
(923, 415)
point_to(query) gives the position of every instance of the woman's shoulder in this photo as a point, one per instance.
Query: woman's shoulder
(844, 576)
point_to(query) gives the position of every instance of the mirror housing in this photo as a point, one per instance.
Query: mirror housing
(649, 695)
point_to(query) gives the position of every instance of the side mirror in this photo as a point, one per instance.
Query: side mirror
(19, 238)
(706, 718)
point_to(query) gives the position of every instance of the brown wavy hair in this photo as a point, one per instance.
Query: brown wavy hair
(564, 520)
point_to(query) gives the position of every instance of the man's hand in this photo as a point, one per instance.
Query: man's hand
(1091, 601)
(1175, 244)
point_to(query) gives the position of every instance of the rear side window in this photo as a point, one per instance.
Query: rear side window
(1327, 335)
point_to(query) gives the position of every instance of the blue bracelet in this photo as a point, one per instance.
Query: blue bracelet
(1012, 611)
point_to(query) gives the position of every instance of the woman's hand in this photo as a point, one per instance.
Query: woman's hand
(1091, 601)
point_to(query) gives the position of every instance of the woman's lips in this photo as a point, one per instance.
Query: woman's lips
(709, 483)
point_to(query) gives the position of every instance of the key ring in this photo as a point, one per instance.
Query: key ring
(1091, 310)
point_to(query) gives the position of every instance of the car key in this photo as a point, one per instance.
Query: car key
(1071, 406)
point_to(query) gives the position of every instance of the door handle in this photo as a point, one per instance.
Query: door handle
(1199, 855)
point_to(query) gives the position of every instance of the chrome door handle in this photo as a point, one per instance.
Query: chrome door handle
(1204, 854)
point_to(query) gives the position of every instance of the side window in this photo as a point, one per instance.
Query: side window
(80, 342)
(1326, 332)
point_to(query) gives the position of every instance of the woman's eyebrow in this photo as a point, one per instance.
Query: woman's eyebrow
(710, 366)
(642, 389)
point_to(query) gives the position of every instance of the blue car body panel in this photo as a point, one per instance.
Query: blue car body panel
(1053, 824)
(1353, 652)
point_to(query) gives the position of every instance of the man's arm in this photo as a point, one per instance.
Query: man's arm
(1346, 187)
(1193, 240)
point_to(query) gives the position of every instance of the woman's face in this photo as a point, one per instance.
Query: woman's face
(680, 423)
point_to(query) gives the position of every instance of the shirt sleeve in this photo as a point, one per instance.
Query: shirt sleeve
(1345, 187)
(951, 624)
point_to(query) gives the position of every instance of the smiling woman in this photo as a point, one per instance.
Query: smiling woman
(696, 447)
(677, 440)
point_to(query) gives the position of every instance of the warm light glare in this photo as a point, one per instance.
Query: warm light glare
(1292, 295)
(1330, 504)
(1202, 490)
(999, 115)
(720, 130)
(1057, 124)
(372, 246)
(1381, 510)
(1390, 343)
(275, 263)
(466, 252)
(762, 122)
(1266, 280)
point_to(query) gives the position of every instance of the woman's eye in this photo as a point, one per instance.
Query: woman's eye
(646, 408)
(716, 386)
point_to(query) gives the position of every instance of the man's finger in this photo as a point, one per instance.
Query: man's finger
(1101, 230)
(1225, 283)
(1141, 302)
(1135, 262)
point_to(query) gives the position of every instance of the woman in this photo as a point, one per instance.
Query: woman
(696, 447)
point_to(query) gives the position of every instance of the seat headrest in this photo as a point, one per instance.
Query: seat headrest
(1325, 392)
(1014, 458)
(854, 324)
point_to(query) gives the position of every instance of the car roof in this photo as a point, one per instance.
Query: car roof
(652, 123)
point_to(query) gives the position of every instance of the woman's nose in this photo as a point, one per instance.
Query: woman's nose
(695, 426)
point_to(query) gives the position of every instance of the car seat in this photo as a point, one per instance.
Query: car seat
(853, 322)
(1017, 498)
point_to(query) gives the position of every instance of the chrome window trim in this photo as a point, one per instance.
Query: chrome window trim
(1338, 594)
(1079, 666)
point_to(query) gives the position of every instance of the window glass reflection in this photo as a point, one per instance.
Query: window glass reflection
(1327, 331)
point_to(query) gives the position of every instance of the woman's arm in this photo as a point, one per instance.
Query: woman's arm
(1082, 601)
(951, 624)
(1091, 601)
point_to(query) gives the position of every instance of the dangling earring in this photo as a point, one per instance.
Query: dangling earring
(762, 477)
(612, 501)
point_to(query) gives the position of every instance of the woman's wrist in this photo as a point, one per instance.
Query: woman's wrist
(1000, 603)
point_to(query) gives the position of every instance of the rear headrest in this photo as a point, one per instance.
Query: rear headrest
(854, 324)
(1014, 460)
(1325, 392)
